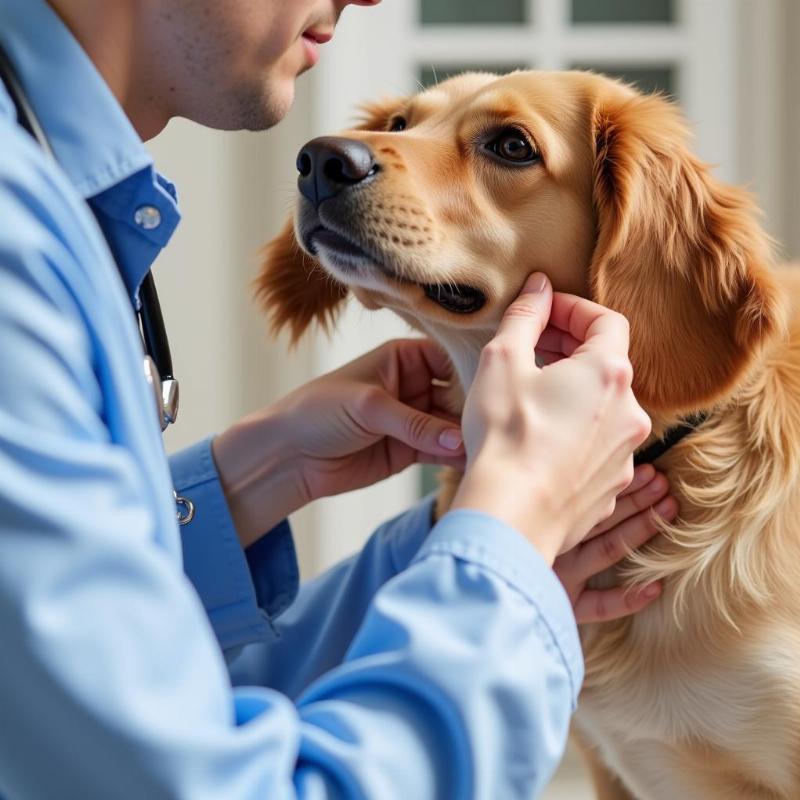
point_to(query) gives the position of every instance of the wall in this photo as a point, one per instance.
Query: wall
(769, 114)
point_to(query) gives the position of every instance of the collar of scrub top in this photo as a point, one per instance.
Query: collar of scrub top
(92, 139)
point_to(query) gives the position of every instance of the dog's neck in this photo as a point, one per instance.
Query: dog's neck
(464, 352)
(465, 357)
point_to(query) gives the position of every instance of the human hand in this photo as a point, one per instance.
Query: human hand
(345, 430)
(550, 448)
(632, 524)
(374, 417)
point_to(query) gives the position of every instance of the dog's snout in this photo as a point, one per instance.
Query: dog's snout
(329, 164)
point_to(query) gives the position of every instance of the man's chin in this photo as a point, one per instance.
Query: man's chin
(276, 101)
(264, 108)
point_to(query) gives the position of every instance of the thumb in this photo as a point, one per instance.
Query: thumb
(526, 318)
(422, 432)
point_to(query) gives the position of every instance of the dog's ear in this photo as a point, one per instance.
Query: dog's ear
(680, 254)
(294, 289)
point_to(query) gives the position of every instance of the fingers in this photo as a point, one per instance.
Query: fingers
(420, 362)
(437, 400)
(456, 462)
(589, 323)
(640, 494)
(554, 344)
(611, 547)
(642, 475)
(603, 605)
(557, 342)
(433, 436)
(526, 318)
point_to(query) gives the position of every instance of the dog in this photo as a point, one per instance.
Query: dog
(438, 206)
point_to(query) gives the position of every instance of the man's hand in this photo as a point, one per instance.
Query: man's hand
(550, 448)
(373, 418)
(632, 525)
(348, 429)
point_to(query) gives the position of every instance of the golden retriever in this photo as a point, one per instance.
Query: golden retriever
(438, 207)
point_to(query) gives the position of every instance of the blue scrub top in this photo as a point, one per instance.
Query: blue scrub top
(140, 661)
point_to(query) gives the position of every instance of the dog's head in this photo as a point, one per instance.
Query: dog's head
(441, 204)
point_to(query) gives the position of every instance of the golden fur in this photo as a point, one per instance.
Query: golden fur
(699, 695)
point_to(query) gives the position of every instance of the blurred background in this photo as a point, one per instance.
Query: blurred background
(732, 65)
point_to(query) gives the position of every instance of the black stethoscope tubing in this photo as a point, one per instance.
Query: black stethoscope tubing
(151, 320)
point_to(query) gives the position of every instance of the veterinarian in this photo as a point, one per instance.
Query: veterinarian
(438, 662)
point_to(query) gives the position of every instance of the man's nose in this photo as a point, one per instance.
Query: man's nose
(329, 164)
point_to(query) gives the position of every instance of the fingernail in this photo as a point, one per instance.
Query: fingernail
(537, 282)
(658, 484)
(451, 439)
(652, 590)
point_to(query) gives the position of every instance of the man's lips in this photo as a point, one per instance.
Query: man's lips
(311, 49)
(320, 37)
(311, 41)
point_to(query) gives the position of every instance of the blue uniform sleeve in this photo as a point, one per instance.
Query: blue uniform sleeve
(314, 633)
(460, 682)
(260, 619)
(454, 679)
(242, 592)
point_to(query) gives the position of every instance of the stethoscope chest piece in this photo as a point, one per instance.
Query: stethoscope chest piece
(165, 400)
(166, 395)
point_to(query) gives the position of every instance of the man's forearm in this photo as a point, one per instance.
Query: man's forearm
(259, 474)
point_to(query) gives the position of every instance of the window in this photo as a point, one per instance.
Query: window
(472, 12)
(622, 11)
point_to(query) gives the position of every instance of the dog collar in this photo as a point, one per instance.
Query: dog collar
(670, 439)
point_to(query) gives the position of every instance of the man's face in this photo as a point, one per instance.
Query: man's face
(232, 64)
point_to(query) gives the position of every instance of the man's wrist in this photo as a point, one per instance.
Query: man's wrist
(259, 474)
(522, 504)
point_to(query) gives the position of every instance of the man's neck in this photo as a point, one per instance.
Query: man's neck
(107, 31)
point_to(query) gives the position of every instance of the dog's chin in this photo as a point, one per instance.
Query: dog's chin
(353, 265)
(347, 261)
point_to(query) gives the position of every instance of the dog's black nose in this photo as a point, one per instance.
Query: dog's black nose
(329, 164)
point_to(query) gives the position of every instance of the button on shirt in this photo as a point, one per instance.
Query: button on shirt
(140, 661)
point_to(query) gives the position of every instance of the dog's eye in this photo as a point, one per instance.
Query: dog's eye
(513, 146)
(397, 124)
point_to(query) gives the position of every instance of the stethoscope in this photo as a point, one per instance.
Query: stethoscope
(158, 359)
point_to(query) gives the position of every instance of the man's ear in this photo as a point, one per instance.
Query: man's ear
(294, 289)
(680, 254)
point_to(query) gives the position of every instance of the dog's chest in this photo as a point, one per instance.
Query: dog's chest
(675, 721)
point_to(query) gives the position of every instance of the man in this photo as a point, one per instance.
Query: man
(438, 662)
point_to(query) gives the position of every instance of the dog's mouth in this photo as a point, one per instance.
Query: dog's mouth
(457, 298)
(348, 257)
(341, 247)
